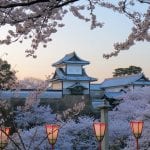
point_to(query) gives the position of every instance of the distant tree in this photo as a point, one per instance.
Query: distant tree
(31, 83)
(7, 75)
(39, 19)
(134, 70)
(127, 71)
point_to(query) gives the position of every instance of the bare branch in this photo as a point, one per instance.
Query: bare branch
(144, 1)
(29, 3)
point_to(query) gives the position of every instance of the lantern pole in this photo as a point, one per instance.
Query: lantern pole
(52, 147)
(104, 108)
(137, 144)
(100, 145)
(104, 118)
(1, 140)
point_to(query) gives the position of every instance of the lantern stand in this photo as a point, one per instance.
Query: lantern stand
(52, 146)
(137, 144)
(137, 127)
(52, 131)
(4, 133)
(104, 108)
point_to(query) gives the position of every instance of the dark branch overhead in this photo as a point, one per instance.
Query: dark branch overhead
(59, 3)
(144, 1)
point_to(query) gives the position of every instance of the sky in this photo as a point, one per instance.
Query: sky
(88, 44)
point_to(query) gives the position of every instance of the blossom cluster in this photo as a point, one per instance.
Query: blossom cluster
(38, 20)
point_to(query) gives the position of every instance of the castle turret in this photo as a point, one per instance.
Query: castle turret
(70, 76)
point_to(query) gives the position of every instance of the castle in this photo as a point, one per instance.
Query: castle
(70, 78)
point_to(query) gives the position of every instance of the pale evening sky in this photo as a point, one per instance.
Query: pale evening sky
(88, 44)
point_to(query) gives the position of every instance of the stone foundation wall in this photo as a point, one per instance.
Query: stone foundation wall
(60, 104)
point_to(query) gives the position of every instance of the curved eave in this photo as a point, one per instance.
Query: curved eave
(93, 80)
(141, 83)
(70, 62)
(55, 80)
(79, 80)
(111, 86)
(77, 62)
(65, 79)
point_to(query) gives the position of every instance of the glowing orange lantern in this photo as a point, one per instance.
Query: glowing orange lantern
(99, 129)
(52, 133)
(4, 133)
(137, 127)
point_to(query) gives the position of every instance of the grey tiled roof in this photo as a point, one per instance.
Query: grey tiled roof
(95, 87)
(142, 83)
(126, 80)
(113, 95)
(99, 103)
(71, 58)
(60, 75)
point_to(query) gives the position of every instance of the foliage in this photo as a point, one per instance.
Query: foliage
(127, 71)
(7, 75)
(72, 135)
(39, 19)
(135, 106)
(34, 116)
(30, 120)
(5, 113)
(78, 133)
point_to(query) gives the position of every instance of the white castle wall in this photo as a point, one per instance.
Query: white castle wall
(57, 85)
(74, 69)
(5, 95)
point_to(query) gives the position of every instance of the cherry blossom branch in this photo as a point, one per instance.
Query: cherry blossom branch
(39, 19)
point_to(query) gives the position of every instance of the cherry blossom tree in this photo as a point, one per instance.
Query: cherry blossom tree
(72, 135)
(30, 83)
(27, 122)
(135, 106)
(78, 133)
(39, 19)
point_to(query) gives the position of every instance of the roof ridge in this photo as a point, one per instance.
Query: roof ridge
(67, 59)
(70, 53)
(120, 77)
